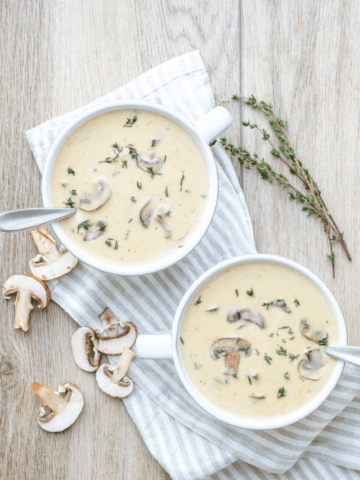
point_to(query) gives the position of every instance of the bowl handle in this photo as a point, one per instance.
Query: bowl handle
(214, 123)
(154, 346)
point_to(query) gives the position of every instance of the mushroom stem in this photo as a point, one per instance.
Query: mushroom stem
(49, 398)
(23, 307)
(122, 365)
(108, 318)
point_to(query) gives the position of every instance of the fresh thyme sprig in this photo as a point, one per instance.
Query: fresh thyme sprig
(130, 122)
(313, 202)
(117, 151)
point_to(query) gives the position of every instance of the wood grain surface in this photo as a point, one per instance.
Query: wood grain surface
(57, 55)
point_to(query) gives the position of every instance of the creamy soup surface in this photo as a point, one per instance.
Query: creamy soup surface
(139, 182)
(252, 357)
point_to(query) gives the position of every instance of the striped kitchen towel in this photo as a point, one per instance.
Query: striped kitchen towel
(187, 442)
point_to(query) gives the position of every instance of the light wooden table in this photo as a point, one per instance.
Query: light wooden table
(57, 55)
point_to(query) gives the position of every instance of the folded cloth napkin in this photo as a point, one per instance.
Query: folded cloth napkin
(187, 442)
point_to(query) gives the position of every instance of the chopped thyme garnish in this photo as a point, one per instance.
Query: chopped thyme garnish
(324, 341)
(236, 292)
(198, 301)
(212, 143)
(108, 242)
(133, 199)
(182, 341)
(133, 152)
(102, 227)
(73, 192)
(71, 171)
(297, 303)
(161, 218)
(248, 377)
(281, 351)
(238, 315)
(282, 328)
(281, 393)
(116, 246)
(139, 185)
(152, 173)
(293, 357)
(250, 292)
(130, 220)
(87, 224)
(290, 332)
(168, 213)
(257, 351)
(124, 164)
(116, 146)
(181, 181)
(165, 159)
(286, 375)
(292, 338)
(130, 122)
(166, 191)
(235, 375)
(267, 305)
(69, 203)
(271, 335)
(268, 359)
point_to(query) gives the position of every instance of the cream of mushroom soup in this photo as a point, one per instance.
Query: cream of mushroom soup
(139, 182)
(253, 340)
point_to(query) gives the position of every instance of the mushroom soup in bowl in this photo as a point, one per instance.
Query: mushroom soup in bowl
(249, 342)
(143, 181)
(253, 340)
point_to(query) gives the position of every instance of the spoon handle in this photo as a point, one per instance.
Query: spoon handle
(347, 354)
(17, 220)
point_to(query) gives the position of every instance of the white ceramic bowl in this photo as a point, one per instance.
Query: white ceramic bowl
(168, 346)
(204, 131)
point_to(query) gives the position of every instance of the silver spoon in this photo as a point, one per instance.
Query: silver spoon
(26, 218)
(346, 354)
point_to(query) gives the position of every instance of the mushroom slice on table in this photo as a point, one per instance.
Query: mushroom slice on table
(50, 263)
(146, 213)
(310, 333)
(115, 344)
(230, 348)
(91, 201)
(84, 346)
(61, 409)
(26, 287)
(308, 369)
(246, 314)
(280, 302)
(112, 380)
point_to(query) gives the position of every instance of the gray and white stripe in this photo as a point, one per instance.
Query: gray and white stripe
(186, 441)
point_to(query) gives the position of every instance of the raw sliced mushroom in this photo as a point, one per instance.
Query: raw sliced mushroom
(90, 235)
(308, 369)
(310, 333)
(112, 380)
(230, 348)
(146, 213)
(213, 308)
(246, 314)
(26, 287)
(280, 302)
(50, 263)
(61, 409)
(90, 202)
(161, 219)
(115, 344)
(108, 319)
(84, 346)
(257, 396)
(146, 162)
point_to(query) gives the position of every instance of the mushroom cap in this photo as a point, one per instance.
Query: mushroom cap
(146, 212)
(68, 410)
(246, 314)
(38, 289)
(145, 162)
(89, 235)
(115, 344)
(90, 202)
(117, 390)
(56, 269)
(310, 333)
(84, 347)
(314, 362)
(230, 348)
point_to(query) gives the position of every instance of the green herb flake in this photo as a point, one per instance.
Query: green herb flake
(87, 224)
(293, 357)
(124, 164)
(324, 342)
(286, 375)
(130, 122)
(139, 185)
(236, 292)
(198, 301)
(73, 193)
(133, 199)
(297, 303)
(130, 220)
(69, 203)
(281, 393)
(281, 351)
(166, 191)
(249, 379)
(268, 359)
(71, 171)
(182, 341)
(250, 292)
(102, 227)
